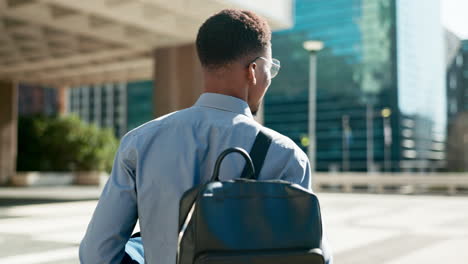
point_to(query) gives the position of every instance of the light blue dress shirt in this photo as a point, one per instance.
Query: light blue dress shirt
(158, 161)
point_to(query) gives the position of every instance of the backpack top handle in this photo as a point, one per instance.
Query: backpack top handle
(244, 154)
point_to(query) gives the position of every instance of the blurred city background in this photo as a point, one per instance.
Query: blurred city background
(375, 91)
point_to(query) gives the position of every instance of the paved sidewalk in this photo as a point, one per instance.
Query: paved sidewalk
(13, 196)
(362, 228)
(396, 229)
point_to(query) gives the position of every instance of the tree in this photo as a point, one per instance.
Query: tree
(63, 144)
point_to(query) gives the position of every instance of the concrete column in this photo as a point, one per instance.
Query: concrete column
(178, 79)
(62, 98)
(8, 130)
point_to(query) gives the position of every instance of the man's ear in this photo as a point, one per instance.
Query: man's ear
(251, 73)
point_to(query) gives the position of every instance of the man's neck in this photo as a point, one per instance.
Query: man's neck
(227, 85)
(225, 92)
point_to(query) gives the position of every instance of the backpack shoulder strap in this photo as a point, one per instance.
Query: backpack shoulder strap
(258, 153)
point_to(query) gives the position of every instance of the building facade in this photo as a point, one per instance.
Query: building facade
(465, 74)
(380, 103)
(34, 99)
(455, 78)
(139, 103)
(120, 106)
(457, 98)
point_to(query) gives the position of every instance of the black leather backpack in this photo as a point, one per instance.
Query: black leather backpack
(247, 220)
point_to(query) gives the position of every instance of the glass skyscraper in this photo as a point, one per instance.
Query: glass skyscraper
(380, 80)
(465, 74)
(139, 103)
(457, 97)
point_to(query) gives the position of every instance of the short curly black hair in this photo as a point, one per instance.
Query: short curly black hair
(230, 35)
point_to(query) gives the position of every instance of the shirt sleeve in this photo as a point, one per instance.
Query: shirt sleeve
(116, 213)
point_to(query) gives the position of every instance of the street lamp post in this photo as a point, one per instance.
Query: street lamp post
(370, 136)
(387, 129)
(345, 139)
(312, 47)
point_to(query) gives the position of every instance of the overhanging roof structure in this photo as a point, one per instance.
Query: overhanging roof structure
(73, 42)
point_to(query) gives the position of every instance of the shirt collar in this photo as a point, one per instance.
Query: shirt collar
(224, 102)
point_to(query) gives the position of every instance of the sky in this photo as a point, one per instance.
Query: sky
(455, 16)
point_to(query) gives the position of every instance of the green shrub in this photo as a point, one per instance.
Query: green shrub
(63, 144)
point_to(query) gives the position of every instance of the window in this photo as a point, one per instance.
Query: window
(459, 60)
(453, 81)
